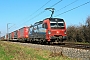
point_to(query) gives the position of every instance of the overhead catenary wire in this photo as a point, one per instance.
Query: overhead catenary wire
(56, 3)
(43, 11)
(67, 5)
(40, 8)
(37, 11)
(73, 8)
(36, 15)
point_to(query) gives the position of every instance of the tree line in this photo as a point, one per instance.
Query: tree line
(79, 33)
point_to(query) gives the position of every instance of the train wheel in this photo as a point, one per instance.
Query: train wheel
(61, 40)
(49, 42)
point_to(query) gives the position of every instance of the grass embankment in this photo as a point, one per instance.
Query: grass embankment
(10, 51)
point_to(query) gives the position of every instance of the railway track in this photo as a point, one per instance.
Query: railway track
(64, 44)
(70, 45)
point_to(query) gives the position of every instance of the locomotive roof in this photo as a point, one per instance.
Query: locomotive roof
(37, 23)
(53, 19)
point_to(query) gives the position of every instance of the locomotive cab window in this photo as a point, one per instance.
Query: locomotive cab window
(61, 24)
(57, 23)
(45, 25)
(39, 26)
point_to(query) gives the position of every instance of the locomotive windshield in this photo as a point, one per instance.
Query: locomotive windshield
(57, 23)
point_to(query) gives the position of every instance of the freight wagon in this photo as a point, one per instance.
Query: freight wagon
(23, 34)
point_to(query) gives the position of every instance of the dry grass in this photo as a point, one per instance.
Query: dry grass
(10, 51)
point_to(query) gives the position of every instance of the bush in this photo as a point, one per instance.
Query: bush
(79, 33)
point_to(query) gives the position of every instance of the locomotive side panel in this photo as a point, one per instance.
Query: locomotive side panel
(37, 33)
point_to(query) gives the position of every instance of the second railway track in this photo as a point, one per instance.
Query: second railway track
(76, 45)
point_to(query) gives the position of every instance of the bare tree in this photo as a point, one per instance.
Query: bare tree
(71, 33)
(87, 30)
(88, 21)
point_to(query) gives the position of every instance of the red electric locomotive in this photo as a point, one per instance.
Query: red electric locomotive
(48, 30)
(56, 29)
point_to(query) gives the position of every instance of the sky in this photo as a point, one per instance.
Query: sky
(19, 13)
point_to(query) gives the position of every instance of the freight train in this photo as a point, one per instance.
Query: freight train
(47, 30)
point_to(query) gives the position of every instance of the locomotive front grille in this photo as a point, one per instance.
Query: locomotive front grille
(57, 35)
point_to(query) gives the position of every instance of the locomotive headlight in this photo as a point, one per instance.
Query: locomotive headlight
(65, 32)
(49, 32)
